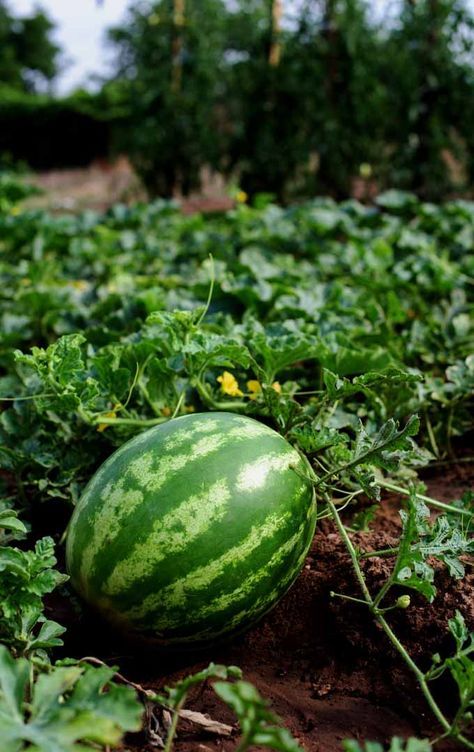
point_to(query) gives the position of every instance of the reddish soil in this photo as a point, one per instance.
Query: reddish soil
(103, 184)
(325, 668)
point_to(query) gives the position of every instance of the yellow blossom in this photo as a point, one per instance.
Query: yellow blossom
(102, 426)
(241, 197)
(15, 211)
(254, 388)
(229, 384)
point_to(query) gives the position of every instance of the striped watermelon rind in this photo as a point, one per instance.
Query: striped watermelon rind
(192, 530)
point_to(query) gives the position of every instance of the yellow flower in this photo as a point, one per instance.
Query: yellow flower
(365, 170)
(241, 197)
(102, 426)
(15, 211)
(79, 284)
(254, 388)
(229, 385)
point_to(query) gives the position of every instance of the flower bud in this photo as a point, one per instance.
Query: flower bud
(404, 601)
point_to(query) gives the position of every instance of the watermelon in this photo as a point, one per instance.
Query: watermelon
(192, 530)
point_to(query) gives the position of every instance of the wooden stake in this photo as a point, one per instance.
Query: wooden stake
(179, 10)
(274, 54)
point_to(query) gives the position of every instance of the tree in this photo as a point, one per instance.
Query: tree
(169, 54)
(429, 71)
(307, 123)
(346, 102)
(28, 56)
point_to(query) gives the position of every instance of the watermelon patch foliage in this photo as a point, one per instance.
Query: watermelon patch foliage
(346, 329)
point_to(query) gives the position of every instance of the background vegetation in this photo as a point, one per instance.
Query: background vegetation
(292, 98)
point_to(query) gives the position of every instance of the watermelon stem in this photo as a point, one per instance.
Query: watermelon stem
(174, 724)
(372, 603)
(441, 505)
(130, 421)
(209, 401)
(210, 293)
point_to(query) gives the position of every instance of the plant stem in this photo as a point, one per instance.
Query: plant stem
(427, 499)
(210, 402)
(431, 436)
(453, 461)
(129, 421)
(351, 550)
(382, 552)
(244, 743)
(210, 292)
(386, 627)
(347, 597)
(174, 725)
(418, 673)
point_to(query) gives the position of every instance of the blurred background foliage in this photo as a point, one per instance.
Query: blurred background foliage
(292, 98)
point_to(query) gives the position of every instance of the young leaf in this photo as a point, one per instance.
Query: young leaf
(396, 745)
(71, 708)
(174, 696)
(259, 725)
(411, 569)
(25, 578)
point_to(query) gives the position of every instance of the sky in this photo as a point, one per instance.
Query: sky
(80, 32)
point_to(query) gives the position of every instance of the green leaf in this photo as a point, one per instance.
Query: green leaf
(257, 723)
(70, 707)
(411, 569)
(10, 521)
(25, 578)
(175, 695)
(396, 745)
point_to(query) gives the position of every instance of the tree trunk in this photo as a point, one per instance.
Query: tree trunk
(274, 55)
(177, 44)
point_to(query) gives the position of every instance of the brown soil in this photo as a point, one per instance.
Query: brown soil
(103, 184)
(325, 668)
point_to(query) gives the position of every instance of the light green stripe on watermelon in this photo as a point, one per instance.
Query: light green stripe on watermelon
(172, 533)
(254, 475)
(250, 614)
(164, 540)
(120, 500)
(184, 435)
(256, 608)
(246, 429)
(175, 595)
(109, 519)
(262, 603)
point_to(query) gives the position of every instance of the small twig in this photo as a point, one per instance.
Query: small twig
(148, 693)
